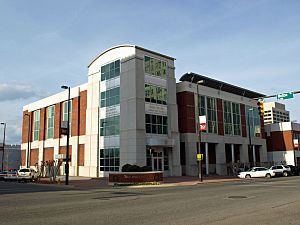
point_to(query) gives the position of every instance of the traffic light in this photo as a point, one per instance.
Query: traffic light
(260, 108)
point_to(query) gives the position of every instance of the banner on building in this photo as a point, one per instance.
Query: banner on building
(296, 143)
(202, 123)
(64, 128)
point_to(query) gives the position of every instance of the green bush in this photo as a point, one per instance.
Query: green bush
(135, 168)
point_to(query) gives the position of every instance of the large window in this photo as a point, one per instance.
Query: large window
(110, 126)
(156, 124)
(110, 70)
(110, 159)
(36, 125)
(227, 118)
(65, 115)
(110, 97)
(211, 115)
(50, 121)
(236, 119)
(155, 94)
(155, 67)
(253, 121)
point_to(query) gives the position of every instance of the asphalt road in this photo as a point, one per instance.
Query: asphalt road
(274, 201)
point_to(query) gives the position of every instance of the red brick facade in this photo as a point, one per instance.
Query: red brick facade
(186, 112)
(48, 154)
(82, 113)
(34, 156)
(280, 141)
(243, 120)
(23, 157)
(81, 155)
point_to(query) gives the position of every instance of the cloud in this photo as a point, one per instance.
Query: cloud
(10, 92)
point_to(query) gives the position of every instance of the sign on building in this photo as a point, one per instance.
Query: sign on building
(296, 143)
(202, 123)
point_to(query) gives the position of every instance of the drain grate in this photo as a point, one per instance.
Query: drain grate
(237, 197)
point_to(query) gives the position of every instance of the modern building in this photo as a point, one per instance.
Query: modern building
(274, 112)
(234, 133)
(283, 143)
(12, 157)
(125, 113)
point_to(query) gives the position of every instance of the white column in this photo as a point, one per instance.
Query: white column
(232, 153)
(206, 158)
(253, 151)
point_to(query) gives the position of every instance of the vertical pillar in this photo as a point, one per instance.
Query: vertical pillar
(232, 153)
(206, 159)
(253, 151)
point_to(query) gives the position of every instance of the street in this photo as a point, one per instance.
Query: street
(260, 201)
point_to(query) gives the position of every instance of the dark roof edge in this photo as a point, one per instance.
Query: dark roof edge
(128, 45)
(188, 77)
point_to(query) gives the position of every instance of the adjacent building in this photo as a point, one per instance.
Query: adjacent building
(283, 143)
(275, 112)
(234, 134)
(12, 157)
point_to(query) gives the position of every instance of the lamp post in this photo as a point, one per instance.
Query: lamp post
(250, 143)
(199, 134)
(28, 138)
(68, 135)
(3, 145)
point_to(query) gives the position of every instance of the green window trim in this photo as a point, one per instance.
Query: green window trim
(50, 122)
(156, 94)
(155, 67)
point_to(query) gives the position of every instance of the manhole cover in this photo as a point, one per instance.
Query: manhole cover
(237, 197)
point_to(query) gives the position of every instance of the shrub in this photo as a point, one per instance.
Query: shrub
(135, 168)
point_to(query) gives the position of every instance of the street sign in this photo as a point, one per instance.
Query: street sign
(202, 123)
(199, 157)
(59, 156)
(284, 96)
(296, 144)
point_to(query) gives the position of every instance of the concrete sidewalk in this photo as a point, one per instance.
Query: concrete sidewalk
(94, 183)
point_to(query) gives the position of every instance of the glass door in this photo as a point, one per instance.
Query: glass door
(157, 161)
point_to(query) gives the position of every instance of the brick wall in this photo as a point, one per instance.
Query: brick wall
(243, 120)
(42, 124)
(34, 156)
(186, 112)
(25, 127)
(62, 150)
(82, 113)
(81, 155)
(280, 141)
(75, 117)
(48, 154)
(57, 120)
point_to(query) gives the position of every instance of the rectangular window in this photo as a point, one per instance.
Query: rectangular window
(155, 67)
(50, 121)
(155, 94)
(110, 159)
(227, 118)
(253, 120)
(36, 125)
(110, 126)
(156, 124)
(65, 114)
(110, 97)
(236, 119)
(211, 115)
(110, 70)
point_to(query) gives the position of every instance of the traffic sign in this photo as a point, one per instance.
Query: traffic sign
(287, 95)
(199, 157)
(202, 123)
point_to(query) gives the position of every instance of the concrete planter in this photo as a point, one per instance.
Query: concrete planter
(135, 177)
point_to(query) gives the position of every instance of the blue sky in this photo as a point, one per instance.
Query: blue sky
(45, 44)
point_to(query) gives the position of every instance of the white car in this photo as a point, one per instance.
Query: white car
(27, 174)
(257, 172)
(281, 170)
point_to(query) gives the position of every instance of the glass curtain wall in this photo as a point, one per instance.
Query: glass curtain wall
(208, 107)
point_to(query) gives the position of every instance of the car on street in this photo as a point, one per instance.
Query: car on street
(27, 174)
(255, 172)
(11, 175)
(281, 170)
(3, 174)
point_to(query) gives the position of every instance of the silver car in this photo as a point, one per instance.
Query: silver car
(26, 174)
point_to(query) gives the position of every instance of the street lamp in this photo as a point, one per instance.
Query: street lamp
(3, 144)
(28, 138)
(199, 134)
(68, 135)
(250, 143)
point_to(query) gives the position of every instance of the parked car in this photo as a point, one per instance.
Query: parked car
(3, 174)
(26, 174)
(281, 170)
(257, 172)
(11, 175)
(295, 170)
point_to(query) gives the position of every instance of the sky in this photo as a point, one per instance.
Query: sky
(45, 44)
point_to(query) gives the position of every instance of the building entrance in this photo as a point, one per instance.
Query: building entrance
(157, 161)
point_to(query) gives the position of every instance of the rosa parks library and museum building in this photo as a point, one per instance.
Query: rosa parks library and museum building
(132, 111)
